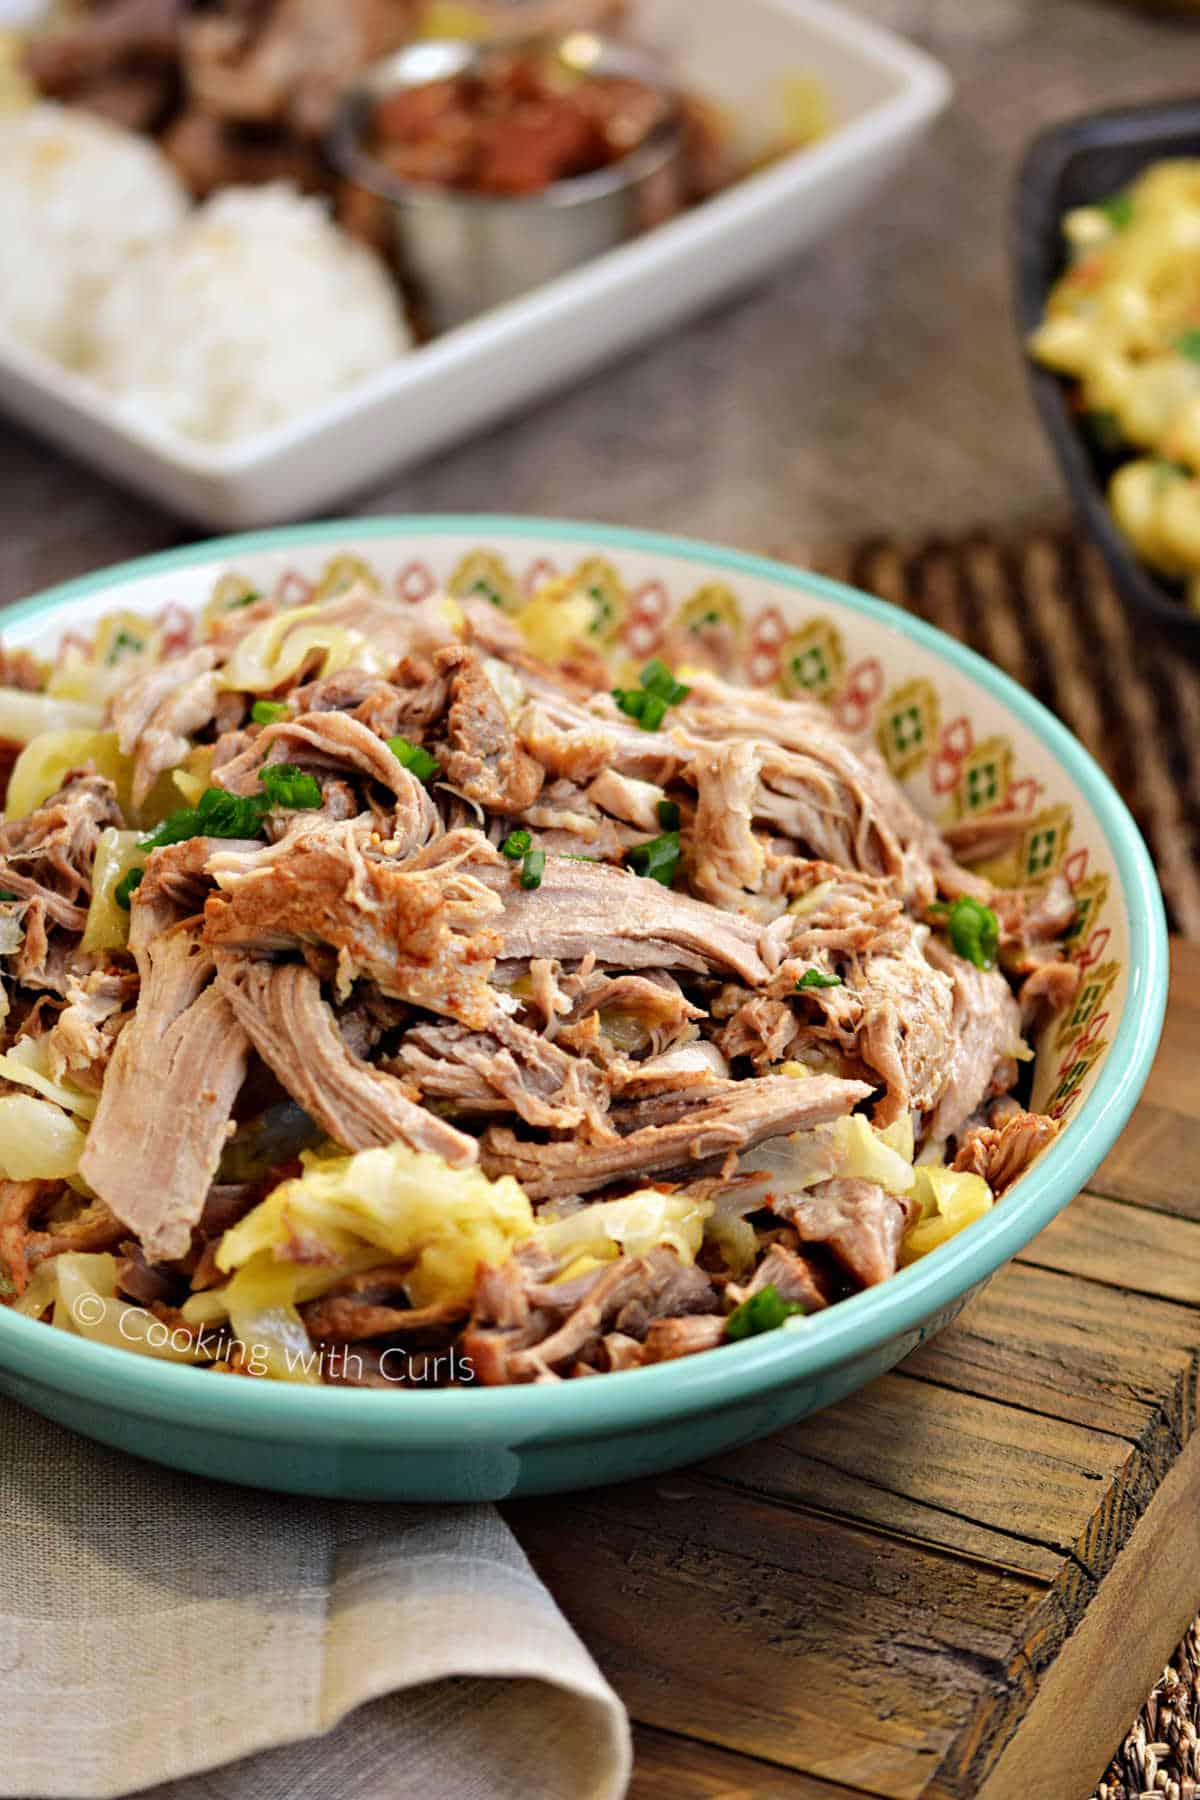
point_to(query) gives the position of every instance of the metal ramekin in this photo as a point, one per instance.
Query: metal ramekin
(466, 253)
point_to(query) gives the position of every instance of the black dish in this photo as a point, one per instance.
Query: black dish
(1076, 164)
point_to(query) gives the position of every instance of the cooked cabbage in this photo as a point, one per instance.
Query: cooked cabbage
(82, 1290)
(39, 770)
(948, 1200)
(107, 925)
(405, 1202)
(275, 651)
(194, 774)
(631, 1227)
(25, 716)
(38, 1142)
(863, 1154)
(260, 1305)
(28, 1064)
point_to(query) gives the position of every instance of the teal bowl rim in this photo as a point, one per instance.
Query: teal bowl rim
(373, 1419)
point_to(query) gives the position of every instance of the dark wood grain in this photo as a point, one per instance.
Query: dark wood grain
(932, 1589)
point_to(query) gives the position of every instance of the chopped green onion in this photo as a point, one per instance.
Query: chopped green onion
(269, 712)
(246, 599)
(974, 931)
(657, 679)
(648, 703)
(218, 814)
(123, 892)
(1189, 344)
(532, 868)
(5, 895)
(516, 844)
(658, 859)
(668, 814)
(286, 785)
(417, 761)
(813, 978)
(764, 1311)
(1118, 210)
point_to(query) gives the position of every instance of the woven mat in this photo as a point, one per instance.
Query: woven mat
(1041, 606)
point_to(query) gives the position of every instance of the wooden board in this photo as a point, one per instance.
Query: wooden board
(962, 1581)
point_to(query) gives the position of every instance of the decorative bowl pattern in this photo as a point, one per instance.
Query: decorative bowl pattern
(963, 739)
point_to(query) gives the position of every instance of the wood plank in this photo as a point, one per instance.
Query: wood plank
(679, 1768)
(1124, 1247)
(1155, 1161)
(1058, 1345)
(1135, 1622)
(879, 1652)
(920, 1460)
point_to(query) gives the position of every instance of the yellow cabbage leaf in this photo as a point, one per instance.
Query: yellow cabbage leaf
(276, 650)
(107, 925)
(445, 1221)
(38, 1142)
(39, 770)
(82, 1290)
(260, 1305)
(949, 1199)
(864, 1154)
(25, 716)
(631, 1227)
(28, 1064)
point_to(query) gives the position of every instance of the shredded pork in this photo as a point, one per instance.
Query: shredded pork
(649, 980)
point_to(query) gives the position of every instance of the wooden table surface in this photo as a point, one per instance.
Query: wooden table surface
(963, 1580)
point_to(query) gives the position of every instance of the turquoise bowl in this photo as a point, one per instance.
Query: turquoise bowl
(961, 736)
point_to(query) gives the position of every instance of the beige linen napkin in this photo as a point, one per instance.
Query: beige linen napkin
(156, 1628)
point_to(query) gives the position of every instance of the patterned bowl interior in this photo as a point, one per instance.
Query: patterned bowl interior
(954, 745)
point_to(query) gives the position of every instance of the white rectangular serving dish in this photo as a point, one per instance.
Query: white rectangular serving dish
(883, 96)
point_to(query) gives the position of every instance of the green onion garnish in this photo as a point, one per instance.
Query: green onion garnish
(5, 895)
(286, 785)
(656, 678)
(648, 703)
(269, 712)
(813, 978)
(218, 814)
(418, 762)
(764, 1311)
(668, 814)
(1189, 344)
(658, 859)
(516, 844)
(532, 868)
(246, 599)
(1118, 210)
(123, 892)
(974, 930)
